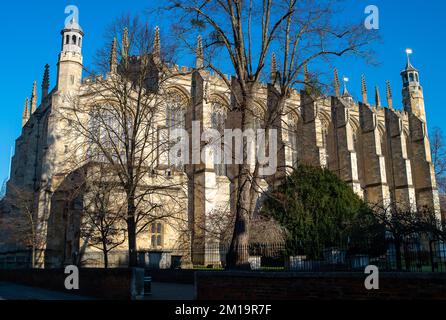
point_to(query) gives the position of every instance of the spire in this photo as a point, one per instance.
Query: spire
(345, 93)
(364, 90)
(410, 75)
(34, 98)
(337, 86)
(273, 67)
(157, 43)
(389, 95)
(114, 57)
(199, 53)
(377, 98)
(409, 66)
(46, 82)
(25, 115)
(306, 76)
(125, 44)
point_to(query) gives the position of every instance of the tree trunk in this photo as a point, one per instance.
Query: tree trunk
(105, 252)
(238, 255)
(33, 257)
(131, 230)
(399, 264)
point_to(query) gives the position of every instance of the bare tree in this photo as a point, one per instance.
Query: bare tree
(438, 149)
(103, 218)
(120, 126)
(244, 33)
(403, 225)
(22, 222)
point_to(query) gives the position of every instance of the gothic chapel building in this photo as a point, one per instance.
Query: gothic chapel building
(382, 152)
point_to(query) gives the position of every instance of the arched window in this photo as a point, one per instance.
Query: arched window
(105, 135)
(67, 39)
(416, 77)
(156, 235)
(80, 42)
(74, 39)
(411, 77)
(175, 112)
(218, 119)
(175, 119)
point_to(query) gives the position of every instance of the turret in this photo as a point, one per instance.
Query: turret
(413, 99)
(69, 75)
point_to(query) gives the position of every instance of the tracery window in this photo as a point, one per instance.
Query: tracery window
(218, 120)
(175, 119)
(156, 235)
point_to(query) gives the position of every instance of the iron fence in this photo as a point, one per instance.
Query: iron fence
(410, 255)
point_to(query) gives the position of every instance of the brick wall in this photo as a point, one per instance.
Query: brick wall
(122, 284)
(312, 286)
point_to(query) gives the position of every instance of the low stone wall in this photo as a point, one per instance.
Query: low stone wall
(317, 286)
(111, 284)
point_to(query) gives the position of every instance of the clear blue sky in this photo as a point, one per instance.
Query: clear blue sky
(31, 38)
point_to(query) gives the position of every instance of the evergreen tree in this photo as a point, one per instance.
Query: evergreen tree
(318, 210)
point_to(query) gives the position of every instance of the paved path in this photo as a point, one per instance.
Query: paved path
(171, 291)
(11, 291)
